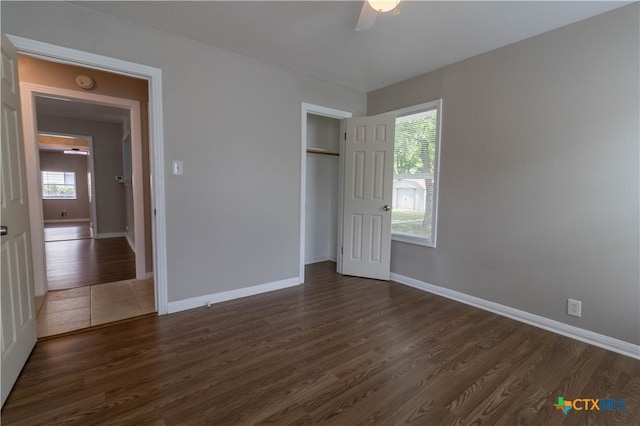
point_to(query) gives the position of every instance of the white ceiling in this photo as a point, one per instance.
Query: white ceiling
(319, 37)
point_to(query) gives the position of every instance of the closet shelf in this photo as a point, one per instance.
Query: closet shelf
(321, 152)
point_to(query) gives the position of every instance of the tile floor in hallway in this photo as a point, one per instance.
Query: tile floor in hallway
(77, 308)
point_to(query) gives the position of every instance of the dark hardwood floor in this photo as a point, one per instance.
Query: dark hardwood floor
(337, 350)
(67, 231)
(82, 262)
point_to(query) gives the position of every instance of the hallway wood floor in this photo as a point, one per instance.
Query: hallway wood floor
(67, 231)
(73, 260)
(337, 350)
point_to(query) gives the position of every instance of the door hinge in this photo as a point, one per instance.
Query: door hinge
(345, 136)
(341, 250)
(154, 211)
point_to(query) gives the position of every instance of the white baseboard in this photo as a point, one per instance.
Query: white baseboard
(149, 275)
(200, 301)
(110, 235)
(131, 243)
(66, 220)
(319, 259)
(595, 339)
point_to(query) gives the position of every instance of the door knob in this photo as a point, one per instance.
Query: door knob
(4, 230)
(386, 207)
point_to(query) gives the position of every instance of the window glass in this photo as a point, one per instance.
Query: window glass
(415, 176)
(59, 185)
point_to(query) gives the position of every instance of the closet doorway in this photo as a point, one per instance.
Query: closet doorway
(322, 195)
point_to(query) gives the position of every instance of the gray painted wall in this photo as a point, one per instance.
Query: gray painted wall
(539, 178)
(229, 118)
(129, 217)
(107, 151)
(128, 189)
(57, 161)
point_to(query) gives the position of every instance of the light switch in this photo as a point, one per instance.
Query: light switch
(177, 168)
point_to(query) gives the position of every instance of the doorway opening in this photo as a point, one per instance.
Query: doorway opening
(323, 155)
(155, 156)
(66, 171)
(365, 169)
(108, 277)
(321, 192)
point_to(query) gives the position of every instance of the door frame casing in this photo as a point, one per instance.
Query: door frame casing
(28, 93)
(325, 112)
(153, 75)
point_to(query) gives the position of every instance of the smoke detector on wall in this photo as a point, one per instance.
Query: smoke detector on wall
(84, 81)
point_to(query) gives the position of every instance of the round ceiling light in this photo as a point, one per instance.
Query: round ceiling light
(383, 5)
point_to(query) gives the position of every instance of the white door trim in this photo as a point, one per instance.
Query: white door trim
(156, 137)
(28, 93)
(326, 112)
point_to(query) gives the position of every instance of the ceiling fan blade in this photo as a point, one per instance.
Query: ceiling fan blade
(367, 17)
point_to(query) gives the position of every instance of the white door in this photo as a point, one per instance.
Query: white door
(17, 306)
(368, 183)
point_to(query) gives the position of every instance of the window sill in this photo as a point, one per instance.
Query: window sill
(412, 240)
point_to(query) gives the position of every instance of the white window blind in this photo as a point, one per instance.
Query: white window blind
(58, 185)
(415, 176)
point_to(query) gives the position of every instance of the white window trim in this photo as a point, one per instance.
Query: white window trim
(427, 106)
(412, 239)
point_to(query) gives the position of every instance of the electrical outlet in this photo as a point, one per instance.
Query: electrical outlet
(574, 308)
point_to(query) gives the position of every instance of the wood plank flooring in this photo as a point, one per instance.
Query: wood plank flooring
(82, 262)
(338, 351)
(67, 231)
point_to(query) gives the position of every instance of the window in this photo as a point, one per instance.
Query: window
(415, 174)
(59, 185)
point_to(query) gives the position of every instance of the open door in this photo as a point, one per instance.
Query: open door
(18, 305)
(368, 183)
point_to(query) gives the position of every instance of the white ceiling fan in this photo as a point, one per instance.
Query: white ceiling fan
(371, 9)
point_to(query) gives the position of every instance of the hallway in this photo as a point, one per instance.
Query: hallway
(75, 259)
(91, 281)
